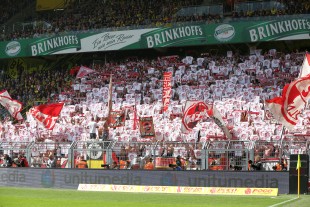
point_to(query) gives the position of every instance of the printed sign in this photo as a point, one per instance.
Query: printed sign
(147, 127)
(185, 35)
(179, 189)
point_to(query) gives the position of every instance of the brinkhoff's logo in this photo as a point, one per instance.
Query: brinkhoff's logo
(224, 32)
(13, 48)
(179, 35)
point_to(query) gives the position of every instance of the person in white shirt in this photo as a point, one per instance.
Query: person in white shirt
(92, 126)
(51, 163)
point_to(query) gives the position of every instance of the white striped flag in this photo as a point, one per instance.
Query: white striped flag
(305, 68)
(13, 106)
(83, 71)
(295, 96)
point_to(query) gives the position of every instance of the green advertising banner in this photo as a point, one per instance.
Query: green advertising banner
(187, 35)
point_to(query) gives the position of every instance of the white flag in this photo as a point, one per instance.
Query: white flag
(305, 68)
(13, 106)
(83, 71)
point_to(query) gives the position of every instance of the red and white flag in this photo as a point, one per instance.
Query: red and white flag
(295, 96)
(47, 114)
(305, 68)
(83, 71)
(13, 106)
(217, 117)
(193, 112)
(166, 90)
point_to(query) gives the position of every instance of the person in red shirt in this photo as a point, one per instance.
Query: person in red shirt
(23, 162)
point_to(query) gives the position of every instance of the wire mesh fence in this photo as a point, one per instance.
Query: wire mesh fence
(232, 155)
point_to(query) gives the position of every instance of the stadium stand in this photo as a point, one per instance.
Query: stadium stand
(237, 84)
(82, 15)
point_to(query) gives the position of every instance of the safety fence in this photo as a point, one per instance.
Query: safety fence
(211, 155)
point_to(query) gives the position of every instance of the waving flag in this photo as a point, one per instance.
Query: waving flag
(47, 114)
(193, 112)
(298, 166)
(83, 71)
(13, 106)
(305, 68)
(166, 90)
(117, 119)
(286, 109)
(217, 117)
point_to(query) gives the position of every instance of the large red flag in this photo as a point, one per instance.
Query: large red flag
(286, 109)
(47, 114)
(13, 106)
(83, 71)
(166, 90)
(305, 68)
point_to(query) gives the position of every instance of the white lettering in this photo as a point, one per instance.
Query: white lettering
(253, 35)
(157, 39)
(150, 42)
(261, 32)
(34, 51)
(295, 25)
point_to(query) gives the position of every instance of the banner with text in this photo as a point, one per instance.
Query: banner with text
(294, 28)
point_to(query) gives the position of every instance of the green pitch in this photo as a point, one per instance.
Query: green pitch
(31, 197)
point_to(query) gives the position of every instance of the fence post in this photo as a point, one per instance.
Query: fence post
(204, 159)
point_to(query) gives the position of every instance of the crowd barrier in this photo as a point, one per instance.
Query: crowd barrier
(211, 155)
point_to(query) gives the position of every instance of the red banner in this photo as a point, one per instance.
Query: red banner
(117, 119)
(166, 90)
(47, 114)
(147, 127)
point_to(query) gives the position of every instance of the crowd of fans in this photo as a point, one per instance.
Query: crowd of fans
(283, 8)
(93, 15)
(236, 84)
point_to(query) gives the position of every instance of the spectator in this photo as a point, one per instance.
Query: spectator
(114, 166)
(128, 165)
(178, 163)
(7, 161)
(81, 163)
(23, 161)
(149, 165)
(51, 162)
(92, 126)
(257, 165)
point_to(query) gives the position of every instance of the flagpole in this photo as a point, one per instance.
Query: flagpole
(298, 179)
(110, 100)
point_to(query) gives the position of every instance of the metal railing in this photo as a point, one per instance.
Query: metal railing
(211, 155)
